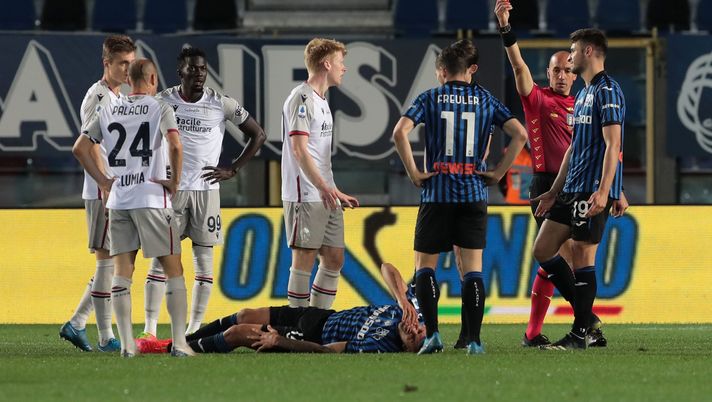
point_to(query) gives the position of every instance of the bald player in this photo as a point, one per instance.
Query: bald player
(549, 120)
(132, 130)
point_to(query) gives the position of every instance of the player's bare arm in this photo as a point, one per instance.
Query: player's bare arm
(264, 341)
(518, 134)
(400, 138)
(522, 76)
(546, 200)
(83, 150)
(398, 288)
(328, 194)
(256, 137)
(175, 159)
(612, 138)
(618, 207)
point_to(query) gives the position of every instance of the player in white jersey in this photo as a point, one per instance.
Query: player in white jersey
(117, 54)
(201, 114)
(313, 204)
(133, 130)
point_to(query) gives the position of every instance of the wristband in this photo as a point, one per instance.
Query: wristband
(508, 36)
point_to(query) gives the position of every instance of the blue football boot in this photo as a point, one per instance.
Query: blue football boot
(78, 337)
(475, 348)
(432, 344)
(113, 345)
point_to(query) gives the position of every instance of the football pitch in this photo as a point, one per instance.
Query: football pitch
(641, 363)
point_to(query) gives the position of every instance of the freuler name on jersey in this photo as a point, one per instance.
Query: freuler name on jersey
(132, 110)
(458, 99)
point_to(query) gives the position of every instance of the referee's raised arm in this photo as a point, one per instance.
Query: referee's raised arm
(522, 75)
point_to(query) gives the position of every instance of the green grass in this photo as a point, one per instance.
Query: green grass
(641, 363)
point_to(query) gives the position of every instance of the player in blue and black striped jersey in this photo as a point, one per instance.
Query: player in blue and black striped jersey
(588, 186)
(368, 329)
(453, 205)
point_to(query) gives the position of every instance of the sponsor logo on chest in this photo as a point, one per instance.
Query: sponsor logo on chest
(189, 119)
(327, 125)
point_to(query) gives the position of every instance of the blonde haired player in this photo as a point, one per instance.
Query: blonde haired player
(139, 202)
(117, 53)
(314, 220)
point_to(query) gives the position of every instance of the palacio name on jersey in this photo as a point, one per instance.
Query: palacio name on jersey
(131, 179)
(458, 99)
(191, 124)
(131, 110)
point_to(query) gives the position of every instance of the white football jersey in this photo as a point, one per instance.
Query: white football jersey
(306, 113)
(202, 127)
(132, 131)
(98, 94)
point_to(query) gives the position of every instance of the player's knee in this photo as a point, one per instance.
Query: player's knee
(156, 268)
(541, 251)
(232, 334)
(171, 265)
(332, 258)
(203, 260)
(247, 316)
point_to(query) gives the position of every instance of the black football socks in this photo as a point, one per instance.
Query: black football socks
(559, 273)
(428, 293)
(473, 301)
(213, 328)
(585, 294)
(211, 344)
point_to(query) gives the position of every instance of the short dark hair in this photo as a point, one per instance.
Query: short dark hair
(188, 52)
(592, 37)
(116, 44)
(458, 56)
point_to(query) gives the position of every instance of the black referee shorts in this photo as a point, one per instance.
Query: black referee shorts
(540, 184)
(442, 225)
(570, 209)
(300, 323)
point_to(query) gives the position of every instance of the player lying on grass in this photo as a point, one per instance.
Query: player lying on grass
(367, 329)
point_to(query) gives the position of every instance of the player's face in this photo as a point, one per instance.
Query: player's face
(193, 73)
(337, 69)
(412, 337)
(560, 73)
(577, 58)
(117, 68)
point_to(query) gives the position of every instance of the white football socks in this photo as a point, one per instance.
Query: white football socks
(154, 290)
(203, 265)
(121, 302)
(84, 308)
(177, 302)
(323, 290)
(101, 298)
(298, 288)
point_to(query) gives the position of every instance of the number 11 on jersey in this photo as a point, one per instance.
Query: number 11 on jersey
(469, 118)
